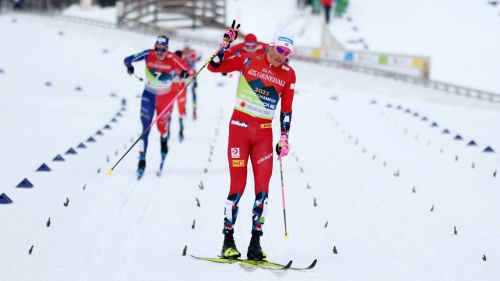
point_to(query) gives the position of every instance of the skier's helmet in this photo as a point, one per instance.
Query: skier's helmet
(283, 38)
(162, 40)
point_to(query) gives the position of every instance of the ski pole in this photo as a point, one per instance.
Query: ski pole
(140, 78)
(159, 115)
(283, 194)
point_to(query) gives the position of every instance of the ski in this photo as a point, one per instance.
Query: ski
(257, 264)
(140, 174)
(265, 264)
(287, 266)
(160, 170)
(311, 266)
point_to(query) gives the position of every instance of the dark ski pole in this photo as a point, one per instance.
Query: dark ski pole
(283, 194)
(138, 78)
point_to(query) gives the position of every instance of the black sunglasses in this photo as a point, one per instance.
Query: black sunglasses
(160, 50)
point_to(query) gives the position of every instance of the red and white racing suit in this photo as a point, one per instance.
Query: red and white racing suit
(261, 86)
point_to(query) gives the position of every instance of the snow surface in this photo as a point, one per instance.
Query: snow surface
(358, 159)
(461, 36)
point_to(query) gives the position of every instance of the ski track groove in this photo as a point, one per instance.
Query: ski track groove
(129, 242)
(104, 239)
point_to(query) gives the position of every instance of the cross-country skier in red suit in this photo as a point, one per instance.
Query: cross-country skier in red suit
(162, 69)
(181, 101)
(265, 79)
(192, 57)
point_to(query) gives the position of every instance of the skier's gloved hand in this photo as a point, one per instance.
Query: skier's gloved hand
(184, 74)
(224, 74)
(130, 69)
(282, 146)
(230, 34)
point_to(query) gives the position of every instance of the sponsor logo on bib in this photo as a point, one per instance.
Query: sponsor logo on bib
(238, 163)
(235, 152)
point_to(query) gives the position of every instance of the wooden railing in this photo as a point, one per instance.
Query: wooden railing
(47, 5)
(184, 13)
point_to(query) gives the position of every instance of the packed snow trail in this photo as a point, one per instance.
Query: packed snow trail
(116, 228)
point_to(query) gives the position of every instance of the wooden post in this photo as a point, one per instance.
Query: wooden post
(194, 14)
(155, 17)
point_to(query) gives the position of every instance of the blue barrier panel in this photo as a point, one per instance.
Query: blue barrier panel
(458, 137)
(58, 158)
(113, 120)
(472, 143)
(425, 119)
(43, 168)
(389, 105)
(107, 127)
(349, 56)
(446, 131)
(4, 199)
(434, 124)
(399, 107)
(25, 184)
(415, 114)
(90, 139)
(70, 151)
(81, 145)
(119, 114)
(488, 149)
(99, 133)
(407, 110)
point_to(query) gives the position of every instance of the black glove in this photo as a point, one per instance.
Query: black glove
(224, 74)
(184, 74)
(130, 69)
(278, 148)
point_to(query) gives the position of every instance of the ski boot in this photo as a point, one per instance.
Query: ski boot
(254, 250)
(181, 135)
(181, 130)
(164, 151)
(163, 147)
(141, 166)
(229, 250)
